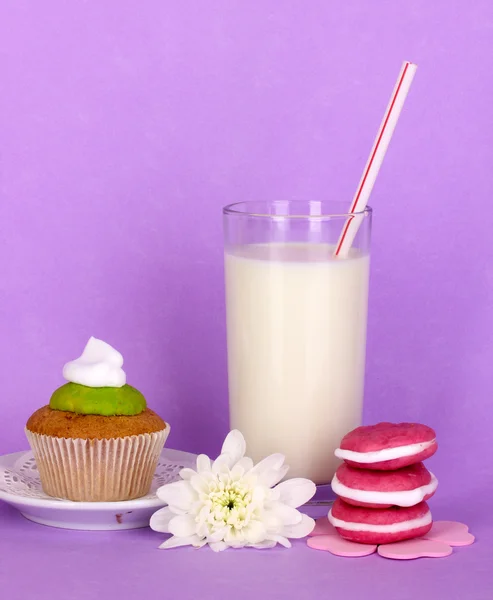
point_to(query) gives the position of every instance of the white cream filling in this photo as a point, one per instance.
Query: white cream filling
(382, 455)
(393, 528)
(401, 498)
(99, 365)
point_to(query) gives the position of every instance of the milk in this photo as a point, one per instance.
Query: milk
(296, 323)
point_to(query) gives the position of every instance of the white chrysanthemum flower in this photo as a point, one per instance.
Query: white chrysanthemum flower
(232, 503)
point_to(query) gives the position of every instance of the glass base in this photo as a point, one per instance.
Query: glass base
(324, 496)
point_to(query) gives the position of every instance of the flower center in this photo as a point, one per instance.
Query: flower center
(228, 504)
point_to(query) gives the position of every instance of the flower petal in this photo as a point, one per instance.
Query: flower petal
(236, 544)
(203, 463)
(280, 539)
(279, 476)
(221, 464)
(254, 532)
(270, 470)
(299, 530)
(177, 510)
(176, 542)
(179, 494)
(296, 492)
(287, 514)
(199, 484)
(274, 496)
(218, 546)
(217, 536)
(246, 463)
(272, 521)
(264, 545)
(234, 446)
(234, 537)
(202, 530)
(160, 520)
(259, 494)
(187, 473)
(274, 461)
(182, 526)
(237, 472)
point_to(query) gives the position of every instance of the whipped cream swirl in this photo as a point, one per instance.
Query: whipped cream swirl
(99, 365)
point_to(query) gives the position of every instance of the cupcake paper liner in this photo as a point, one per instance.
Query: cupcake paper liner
(92, 470)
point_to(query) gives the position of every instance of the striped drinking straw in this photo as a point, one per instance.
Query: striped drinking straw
(376, 157)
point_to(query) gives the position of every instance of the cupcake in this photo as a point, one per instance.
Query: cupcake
(96, 441)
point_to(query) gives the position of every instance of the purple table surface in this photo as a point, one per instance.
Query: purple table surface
(38, 562)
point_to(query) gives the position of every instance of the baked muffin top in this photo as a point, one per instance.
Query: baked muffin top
(65, 424)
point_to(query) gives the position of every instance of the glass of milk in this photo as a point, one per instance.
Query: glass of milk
(296, 328)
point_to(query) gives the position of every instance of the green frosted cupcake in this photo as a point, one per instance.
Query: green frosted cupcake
(96, 440)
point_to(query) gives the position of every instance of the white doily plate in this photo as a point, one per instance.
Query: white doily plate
(20, 487)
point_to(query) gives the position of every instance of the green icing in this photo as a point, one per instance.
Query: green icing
(107, 401)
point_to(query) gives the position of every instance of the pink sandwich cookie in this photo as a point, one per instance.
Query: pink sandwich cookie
(382, 489)
(387, 446)
(380, 525)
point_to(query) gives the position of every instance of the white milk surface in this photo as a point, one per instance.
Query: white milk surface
(296, 322)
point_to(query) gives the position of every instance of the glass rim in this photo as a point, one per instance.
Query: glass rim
(234, 209)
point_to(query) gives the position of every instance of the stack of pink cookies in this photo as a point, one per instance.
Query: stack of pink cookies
(383, 485)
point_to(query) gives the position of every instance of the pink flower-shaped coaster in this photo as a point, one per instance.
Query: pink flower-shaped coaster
(340, 547)
(325, 537)
(450, 532)
(417, 548)
(436, 544)
(323, 527)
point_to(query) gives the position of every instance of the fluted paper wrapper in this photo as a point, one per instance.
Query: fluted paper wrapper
(97, 470)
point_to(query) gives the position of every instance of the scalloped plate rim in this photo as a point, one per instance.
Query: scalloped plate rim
(17, 501)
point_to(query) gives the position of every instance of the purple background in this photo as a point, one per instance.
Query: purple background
(126, 126)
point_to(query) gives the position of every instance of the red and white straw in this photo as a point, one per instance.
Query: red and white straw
(376, 157)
